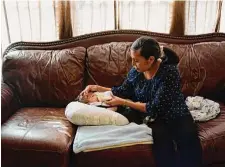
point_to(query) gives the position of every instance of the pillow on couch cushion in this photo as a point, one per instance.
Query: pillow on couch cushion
(84, 114)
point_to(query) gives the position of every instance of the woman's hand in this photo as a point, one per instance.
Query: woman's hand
(89, 88)
(94, 88)
(115, 101)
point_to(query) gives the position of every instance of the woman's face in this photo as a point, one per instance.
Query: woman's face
(139, 62)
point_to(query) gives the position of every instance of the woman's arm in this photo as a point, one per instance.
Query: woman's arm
(126, 89)
(120, 101)
(101, 88)
(164, 95)
(93, 88)
(135, 105)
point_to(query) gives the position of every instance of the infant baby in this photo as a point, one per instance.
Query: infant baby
(97, 99)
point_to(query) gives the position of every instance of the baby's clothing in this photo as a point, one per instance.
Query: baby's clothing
(104, 96)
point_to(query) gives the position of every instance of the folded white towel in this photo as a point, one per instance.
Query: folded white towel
(92, 138)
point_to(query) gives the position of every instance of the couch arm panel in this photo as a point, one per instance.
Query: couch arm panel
(10, 103)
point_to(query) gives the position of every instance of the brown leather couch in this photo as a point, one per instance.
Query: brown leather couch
(40, 79)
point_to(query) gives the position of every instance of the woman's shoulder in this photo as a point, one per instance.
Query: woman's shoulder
(132, 74)
(170, 67)
(169, 70)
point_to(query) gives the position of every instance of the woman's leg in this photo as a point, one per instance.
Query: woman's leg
(188, 143)
(163, 146)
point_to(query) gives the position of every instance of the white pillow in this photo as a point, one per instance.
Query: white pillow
(84, 114)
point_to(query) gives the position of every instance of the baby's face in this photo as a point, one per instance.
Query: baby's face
(91, 97)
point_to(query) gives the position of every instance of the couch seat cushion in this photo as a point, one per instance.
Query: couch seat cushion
(212, 135)
(132, 156)
(37, 137)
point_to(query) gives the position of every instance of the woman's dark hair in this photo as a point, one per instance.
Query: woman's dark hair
(170, 56)
(150, 47)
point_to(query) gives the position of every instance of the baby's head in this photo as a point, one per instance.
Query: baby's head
(92, 97)
(88, 98)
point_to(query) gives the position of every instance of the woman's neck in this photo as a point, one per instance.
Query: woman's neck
(153, 70)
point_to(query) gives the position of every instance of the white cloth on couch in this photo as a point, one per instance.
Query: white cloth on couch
(93, 138)
(202, 109)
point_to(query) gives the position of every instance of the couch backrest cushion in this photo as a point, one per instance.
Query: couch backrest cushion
(201, 66)
(45, 77)
(108, 64)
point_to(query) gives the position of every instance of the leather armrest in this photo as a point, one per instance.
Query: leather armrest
(9, 102)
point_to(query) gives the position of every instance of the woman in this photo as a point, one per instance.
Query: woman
(153, 87)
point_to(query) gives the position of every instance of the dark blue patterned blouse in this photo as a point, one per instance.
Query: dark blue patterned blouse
(162, 94)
